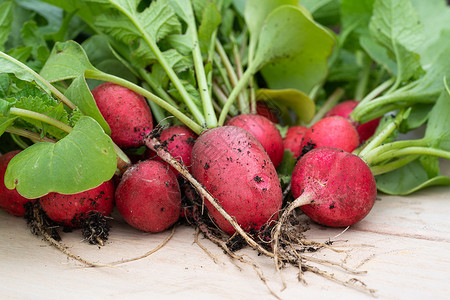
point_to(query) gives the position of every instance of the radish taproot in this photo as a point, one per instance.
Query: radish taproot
(10, 200)
(344, 109)
(148, 196)
(233, 166)
(333, 187)
(70, 209)
(126, 112)
(264, 131)
(334, 131)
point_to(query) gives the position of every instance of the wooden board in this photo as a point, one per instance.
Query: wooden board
(403, 245)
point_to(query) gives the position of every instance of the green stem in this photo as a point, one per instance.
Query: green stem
(243, 102)
(229, 67)
(223, 99)
(52, 89)
(40, 117)
(157, 88)
(120, 81)
(411, 151)
(329, 103)
(169, 71)
(223, 74)
(360, 90)
(374, 93)
(35, 137)
(391, 166)
(243, 82)
(365, 153)
(203, 88)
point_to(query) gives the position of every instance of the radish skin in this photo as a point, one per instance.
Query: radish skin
(233, 166)
(10, 200)
(333, 187)
(264, 131)
(334, 131)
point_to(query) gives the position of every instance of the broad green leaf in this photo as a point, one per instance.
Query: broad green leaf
(79, 93)
(5, 106)
(438, 126)
(296, 100)
(210, 22)
(52, 14)
(6, 19)
(256, 12)
(82, 160)
(435, 16)
(67, 60)
(396, 26)
(325, 12)
(408, 179)
(293, 50)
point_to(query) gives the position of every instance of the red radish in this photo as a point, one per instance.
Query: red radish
(332, 131)
(264, 131)
(70, 209)
(179, 140)
(10, 200)
(333, 187)
(233, 166)
(263, 109)
(344, 109)
(148, 197)
(293, 139)
(126, 112)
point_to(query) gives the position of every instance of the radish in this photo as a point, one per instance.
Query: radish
(332, 131)
(179, 141)
(344, 109)
(263, 109)
(233, 166)
(148, 197)
(126, 112)
(10, 200)
(264, 131)
(293, 139)
(70, 209)
(333, 187)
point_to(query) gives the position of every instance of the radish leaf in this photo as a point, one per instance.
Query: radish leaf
(82, 160)
(293, 50)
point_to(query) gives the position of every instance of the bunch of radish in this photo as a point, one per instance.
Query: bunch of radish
(224, 120)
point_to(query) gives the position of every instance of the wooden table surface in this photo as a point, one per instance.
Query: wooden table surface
(403, 244)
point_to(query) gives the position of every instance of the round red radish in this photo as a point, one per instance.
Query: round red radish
(264, 131)
(344, 109)
(332, 131)
(179, 141)
(293, 139)
(70, 209)
(233, 166)
(339, 186)
(263, 109)
(126, 112)
(148, 197)
(10, 200)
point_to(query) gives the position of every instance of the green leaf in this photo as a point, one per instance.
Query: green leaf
(82, 160)
(408, 179)
(67, 61)
(210, 22)
(438, 126)
(293, 49)
(5, 122)
(396, 26)
(81, 96)
(6, 19)
(299, 102)
(355, 17)
(11, 65)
